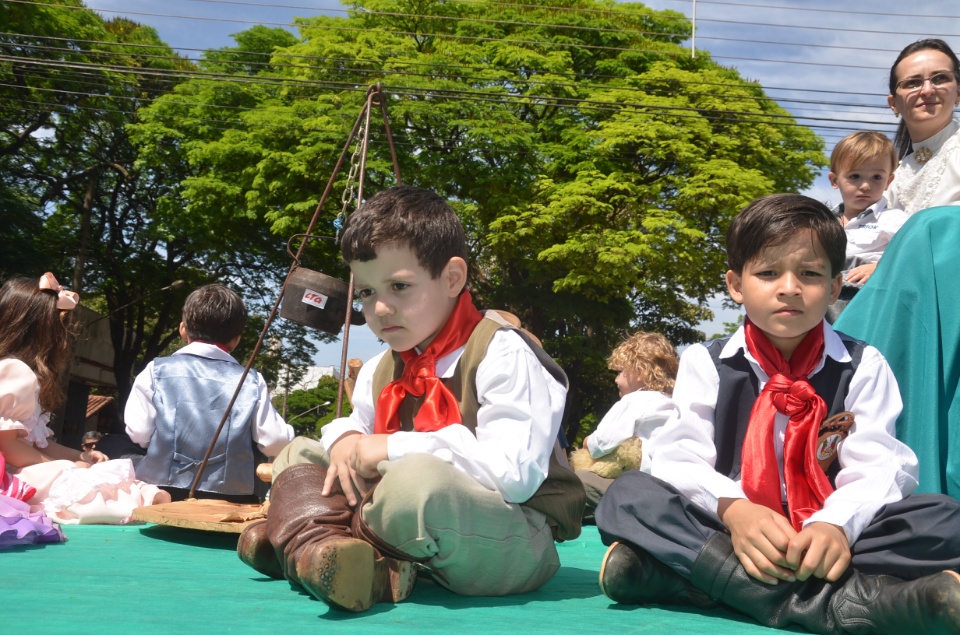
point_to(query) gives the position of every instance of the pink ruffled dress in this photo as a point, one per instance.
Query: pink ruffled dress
(105, 493)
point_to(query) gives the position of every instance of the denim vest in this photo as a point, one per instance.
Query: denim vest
(740, 387)
(191, 393)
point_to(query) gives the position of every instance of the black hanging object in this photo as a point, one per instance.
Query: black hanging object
(317, 300)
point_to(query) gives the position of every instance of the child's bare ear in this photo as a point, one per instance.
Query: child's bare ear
(734, 284)
(833, 179)
(835, 287)
(183, 333)
(455, 275)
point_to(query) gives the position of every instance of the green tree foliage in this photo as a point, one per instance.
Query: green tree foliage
(80, 199)
(309, 410)
(595, 164)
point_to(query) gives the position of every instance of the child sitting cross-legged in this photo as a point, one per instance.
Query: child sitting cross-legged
(779, 489)
(450, 458)
(177, 403)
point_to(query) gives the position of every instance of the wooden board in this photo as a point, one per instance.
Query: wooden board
(204, 514)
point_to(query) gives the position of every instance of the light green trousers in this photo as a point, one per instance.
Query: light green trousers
(475, 542)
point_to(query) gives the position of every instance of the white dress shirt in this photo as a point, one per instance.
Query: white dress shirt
(270, 432)
(870, 232)
(876, 468)
(521, 406)
(638, 414)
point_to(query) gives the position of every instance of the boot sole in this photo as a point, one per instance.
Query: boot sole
(603, 569)
(347, 574)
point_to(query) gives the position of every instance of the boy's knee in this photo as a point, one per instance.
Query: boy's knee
(417, 477)
(300, 450)
(413, 488)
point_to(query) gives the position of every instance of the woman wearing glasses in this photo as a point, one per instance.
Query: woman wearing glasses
(909, 309)
(924, 90)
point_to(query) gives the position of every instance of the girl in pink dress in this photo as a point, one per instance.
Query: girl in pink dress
(71, 486)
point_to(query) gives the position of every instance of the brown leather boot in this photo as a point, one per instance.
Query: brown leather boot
(255, 550)
(316, 549)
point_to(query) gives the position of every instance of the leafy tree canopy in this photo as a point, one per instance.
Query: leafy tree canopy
(595, 164)
(79, 198)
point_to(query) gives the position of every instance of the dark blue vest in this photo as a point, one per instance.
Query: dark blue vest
(739, 389)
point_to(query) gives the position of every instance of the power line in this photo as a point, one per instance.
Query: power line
(766, 5)
(171, 77)
(521, 98)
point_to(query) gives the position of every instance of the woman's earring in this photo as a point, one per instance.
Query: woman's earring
(896, 114)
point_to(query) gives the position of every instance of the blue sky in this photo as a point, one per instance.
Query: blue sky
(826, 62)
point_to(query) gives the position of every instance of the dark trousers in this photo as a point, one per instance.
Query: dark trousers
(909, 539)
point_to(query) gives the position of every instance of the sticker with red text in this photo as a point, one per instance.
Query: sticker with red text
(314, 298)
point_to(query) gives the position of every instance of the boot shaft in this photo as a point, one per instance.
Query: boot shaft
(856, 603)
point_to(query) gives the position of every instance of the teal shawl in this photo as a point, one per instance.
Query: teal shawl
(910, 311)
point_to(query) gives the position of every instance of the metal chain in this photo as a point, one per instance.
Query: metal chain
(350, 189)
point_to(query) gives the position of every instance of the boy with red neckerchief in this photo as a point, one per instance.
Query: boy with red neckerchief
(779, 489)
(450, 459)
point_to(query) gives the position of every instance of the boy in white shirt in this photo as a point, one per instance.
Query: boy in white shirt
(779, 488)
(862, 167)
(177, 402)
(450, 458)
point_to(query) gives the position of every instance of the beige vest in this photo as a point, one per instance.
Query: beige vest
(561, 497)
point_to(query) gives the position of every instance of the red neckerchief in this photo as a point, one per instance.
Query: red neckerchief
(439, 407)
(788, 392)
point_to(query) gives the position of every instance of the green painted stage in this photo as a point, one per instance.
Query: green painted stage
(145, 579)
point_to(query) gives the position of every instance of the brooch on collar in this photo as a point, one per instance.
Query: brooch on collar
(922, 155)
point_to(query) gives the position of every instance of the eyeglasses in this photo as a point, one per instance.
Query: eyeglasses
(912, 84)
(90, 445)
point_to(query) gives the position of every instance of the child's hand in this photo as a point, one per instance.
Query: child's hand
(93, 456)
(760, 539)
(351, 483)
(861, 274)
(367, 454)
(821, 550)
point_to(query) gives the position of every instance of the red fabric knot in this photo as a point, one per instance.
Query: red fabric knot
(792, 398)
(439, 407)
(417, 372)
(787, 392)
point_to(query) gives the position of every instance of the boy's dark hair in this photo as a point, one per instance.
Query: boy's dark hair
(215, 314)
(405, 216)
(772, 220)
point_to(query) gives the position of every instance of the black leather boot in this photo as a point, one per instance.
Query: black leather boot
(315, 547)
(629, 575)
(856, 603)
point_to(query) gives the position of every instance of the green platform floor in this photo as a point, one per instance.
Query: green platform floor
(147, 579)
